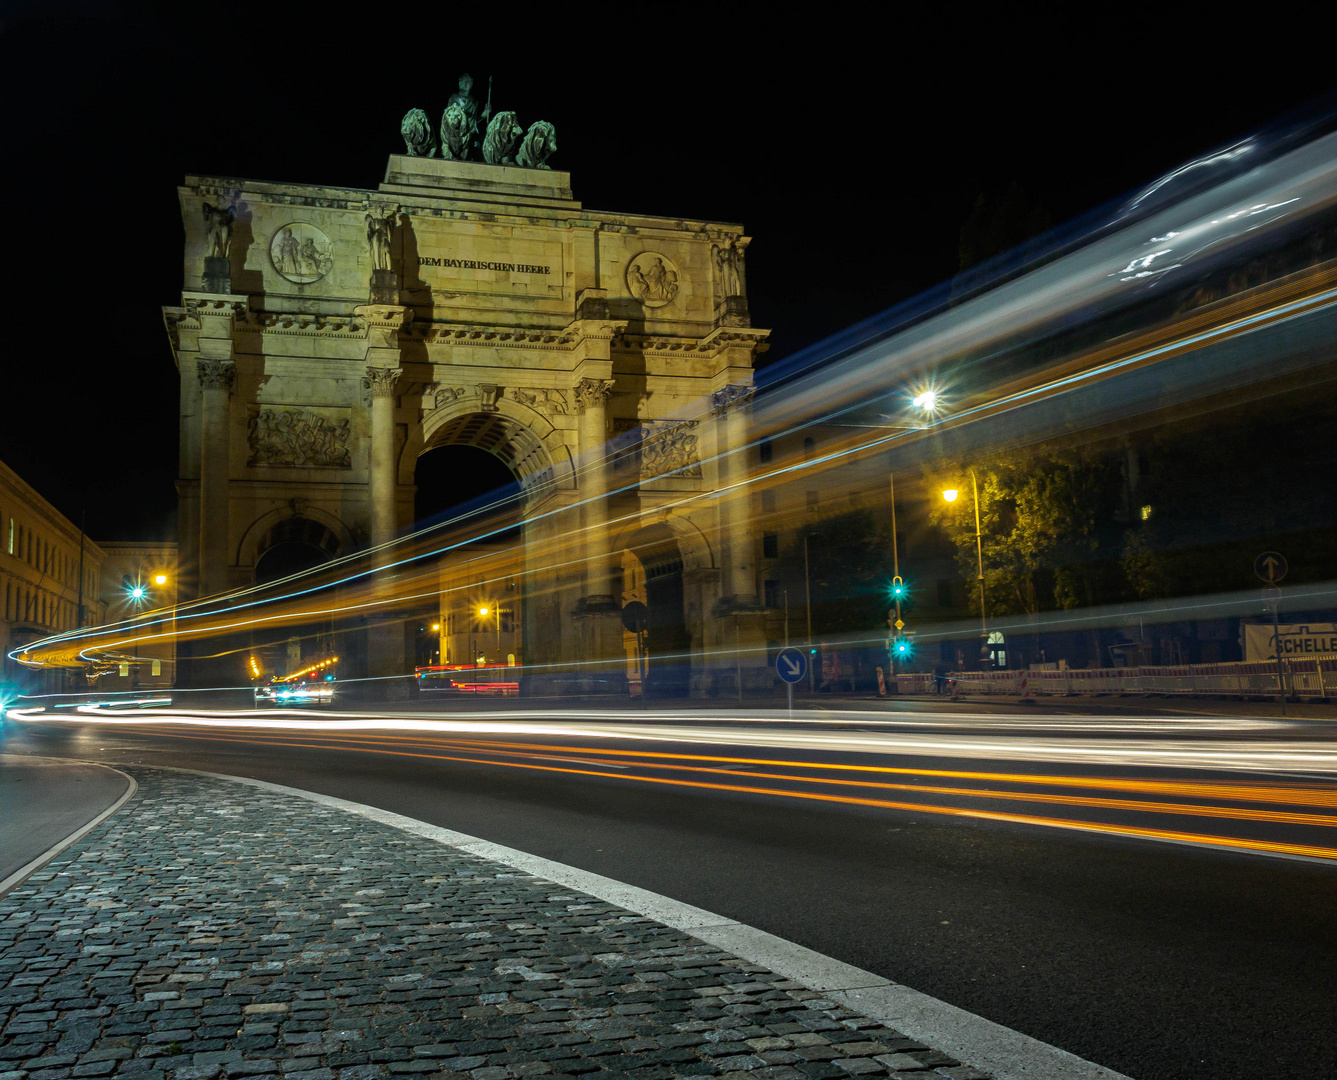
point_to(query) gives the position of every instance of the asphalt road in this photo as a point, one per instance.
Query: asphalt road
(1155, 959)
(42, 801)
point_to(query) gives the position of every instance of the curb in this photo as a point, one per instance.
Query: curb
(1007, 1054)
(25, 871)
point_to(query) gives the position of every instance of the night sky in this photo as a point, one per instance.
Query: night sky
(852, 148)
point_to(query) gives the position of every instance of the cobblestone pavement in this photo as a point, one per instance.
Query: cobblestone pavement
(210, 930)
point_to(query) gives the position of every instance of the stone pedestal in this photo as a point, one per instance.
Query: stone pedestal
(384, 287)
(387, 661)
(217, 276)
(598, 625)
(742, 651)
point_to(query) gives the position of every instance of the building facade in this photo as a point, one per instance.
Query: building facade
(41, 555)
(328, 336)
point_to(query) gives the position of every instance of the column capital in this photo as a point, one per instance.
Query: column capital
(734, 396)
(380, 381)
(216, 374)
(593, 393)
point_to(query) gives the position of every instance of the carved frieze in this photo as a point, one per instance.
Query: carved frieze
(300, 438)
(301, 252)
(436, 396)
(593, 393)
(652, 278)
(544, 400)
(731, 397)
(670, 448)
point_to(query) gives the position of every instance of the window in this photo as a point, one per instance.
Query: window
(809, 448)
(813, 498)
(767, 449)
(944, 593)
(770, 545)
(771, 590)
(768, 502)
(10, 544)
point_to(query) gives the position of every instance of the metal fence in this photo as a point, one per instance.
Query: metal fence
(1312, 677)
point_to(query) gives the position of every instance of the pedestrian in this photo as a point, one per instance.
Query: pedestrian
(939, 678)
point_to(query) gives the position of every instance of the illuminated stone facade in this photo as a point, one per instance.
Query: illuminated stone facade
(328, 336)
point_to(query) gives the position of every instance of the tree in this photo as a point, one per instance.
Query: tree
(1040, 519)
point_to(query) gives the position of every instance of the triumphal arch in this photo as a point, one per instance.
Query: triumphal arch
(328, 336)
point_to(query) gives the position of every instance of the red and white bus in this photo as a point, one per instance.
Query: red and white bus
(469, 678)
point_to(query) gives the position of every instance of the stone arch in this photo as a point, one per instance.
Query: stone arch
(693, 545)
(520, 437)
(337, 539)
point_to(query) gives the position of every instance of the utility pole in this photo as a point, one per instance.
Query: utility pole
(895, 582)
(807, 595)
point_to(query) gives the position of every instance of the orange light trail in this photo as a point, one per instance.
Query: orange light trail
(472, 754)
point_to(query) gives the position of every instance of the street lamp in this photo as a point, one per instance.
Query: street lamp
(951, 495)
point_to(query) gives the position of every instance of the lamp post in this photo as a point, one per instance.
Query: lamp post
(951, 494)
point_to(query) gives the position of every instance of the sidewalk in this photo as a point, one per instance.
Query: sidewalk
(210, 930)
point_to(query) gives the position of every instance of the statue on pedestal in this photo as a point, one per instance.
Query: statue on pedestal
(218, 225)
(380, 222)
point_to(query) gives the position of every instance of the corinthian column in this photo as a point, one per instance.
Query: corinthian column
(216, 378)
(382, 481)
(592, 401)
(735, 509)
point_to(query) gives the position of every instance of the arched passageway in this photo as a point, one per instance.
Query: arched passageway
(652, 575)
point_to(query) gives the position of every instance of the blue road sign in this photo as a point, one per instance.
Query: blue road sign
(1270, 566)
(791, 665)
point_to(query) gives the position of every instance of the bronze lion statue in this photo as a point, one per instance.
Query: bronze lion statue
(499, 142)
(417, 132)
(539, 144)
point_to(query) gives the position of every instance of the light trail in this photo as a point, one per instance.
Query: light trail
(849, 774)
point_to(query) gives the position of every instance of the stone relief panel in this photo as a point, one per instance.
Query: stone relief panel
(652, 279)
(670, 448)
(437, 396)
(544, 400)
(301, 438)
(301, 253)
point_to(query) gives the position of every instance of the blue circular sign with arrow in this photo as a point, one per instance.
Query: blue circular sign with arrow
(1270, 566)
(791, 665)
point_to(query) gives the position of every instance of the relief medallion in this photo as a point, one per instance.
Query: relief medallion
(652, 279)
(301, 253)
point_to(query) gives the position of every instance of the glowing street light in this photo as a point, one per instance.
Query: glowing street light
(482, 611)
(137, 592)
(928, 401)
(160, 579)
(950, 495)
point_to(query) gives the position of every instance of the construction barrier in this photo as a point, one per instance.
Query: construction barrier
(1311, 677)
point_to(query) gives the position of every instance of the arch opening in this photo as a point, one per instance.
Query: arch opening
(292, 546)
(657, 638)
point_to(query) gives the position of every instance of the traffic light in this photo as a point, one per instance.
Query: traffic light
(900, 648)
(897, 588)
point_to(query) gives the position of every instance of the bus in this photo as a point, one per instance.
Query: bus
(469, 678)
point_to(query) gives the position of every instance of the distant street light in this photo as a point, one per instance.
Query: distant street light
(950, 494)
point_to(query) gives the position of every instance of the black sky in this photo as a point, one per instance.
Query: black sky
(850, 143)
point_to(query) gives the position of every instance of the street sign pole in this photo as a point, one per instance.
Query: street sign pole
(1271, 567)
(791, 665)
